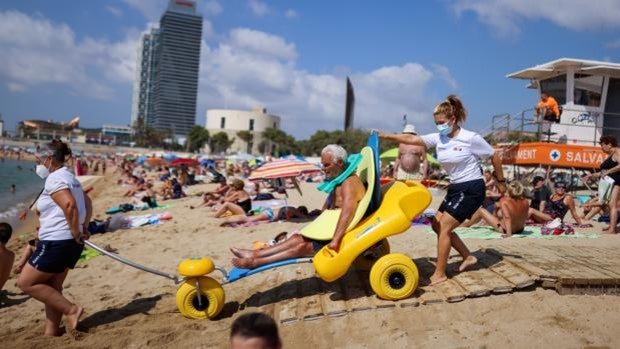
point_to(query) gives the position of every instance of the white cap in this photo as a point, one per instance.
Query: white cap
(409, 128)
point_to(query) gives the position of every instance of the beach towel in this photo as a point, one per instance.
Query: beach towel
(88, 254)
(488, 233)
(130, 207)
(128, 222)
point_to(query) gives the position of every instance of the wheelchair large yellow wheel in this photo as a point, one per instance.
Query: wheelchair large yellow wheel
(211, 299)
(394, 276)
(366, 260)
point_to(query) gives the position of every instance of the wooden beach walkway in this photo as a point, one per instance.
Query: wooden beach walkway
(294, 293)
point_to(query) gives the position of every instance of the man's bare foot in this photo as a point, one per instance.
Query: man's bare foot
(241, 253)
(468, 262)
(244, 263)
(607, 231)
(74, 317)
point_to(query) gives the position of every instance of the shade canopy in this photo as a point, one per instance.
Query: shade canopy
(184, 161)
(283, 168)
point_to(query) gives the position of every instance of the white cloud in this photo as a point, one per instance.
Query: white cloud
(444, 73)
(505, 16)
(37, 52)
(258, 7)
(114, 10)
(613, 44)
(151, 9)
(16, 87)
(212, 8)
(291, 14)
(249, 68)
(261, 43)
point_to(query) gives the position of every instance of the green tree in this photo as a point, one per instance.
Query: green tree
(219, 142)
(247, 137)
(196, 138)
(353, 141)
(285, 144)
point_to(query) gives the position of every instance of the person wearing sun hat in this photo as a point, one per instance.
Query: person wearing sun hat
(407, 164)
(557, 207)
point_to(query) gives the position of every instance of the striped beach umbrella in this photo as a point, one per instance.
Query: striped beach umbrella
(283, 168)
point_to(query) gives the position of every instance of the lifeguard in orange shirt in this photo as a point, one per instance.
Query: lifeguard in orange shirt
(548, 108)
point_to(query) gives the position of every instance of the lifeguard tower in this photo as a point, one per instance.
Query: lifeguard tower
(588, 93)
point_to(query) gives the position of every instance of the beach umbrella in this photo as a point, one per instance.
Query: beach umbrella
(169, 157)
(184, 161)
(283, 168)
(392, 154)
(156, 162)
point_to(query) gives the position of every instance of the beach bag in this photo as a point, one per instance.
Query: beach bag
(605, 185)
(556, 227)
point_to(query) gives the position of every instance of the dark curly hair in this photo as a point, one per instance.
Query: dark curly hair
(609, 140)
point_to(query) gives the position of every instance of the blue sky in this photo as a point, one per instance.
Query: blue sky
(66, 58)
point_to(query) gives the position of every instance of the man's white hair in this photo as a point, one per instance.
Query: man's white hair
(338, 152)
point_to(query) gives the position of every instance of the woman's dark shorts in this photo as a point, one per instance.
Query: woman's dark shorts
(54, 256)
(463, 199)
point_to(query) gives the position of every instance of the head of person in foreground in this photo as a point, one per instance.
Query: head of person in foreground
(254, 331)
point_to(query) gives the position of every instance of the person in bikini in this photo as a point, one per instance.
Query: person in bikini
(559, 203)
(269, 214)
(237, 201)
(513, 212)
(345, 196)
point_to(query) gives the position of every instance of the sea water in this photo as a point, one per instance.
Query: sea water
(27, 187)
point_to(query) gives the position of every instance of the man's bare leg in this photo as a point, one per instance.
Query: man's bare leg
(285, 245)
(304, 249)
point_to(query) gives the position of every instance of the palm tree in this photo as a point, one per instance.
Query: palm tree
(247, 137)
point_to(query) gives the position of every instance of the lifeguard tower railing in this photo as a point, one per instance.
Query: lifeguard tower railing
(523, 127)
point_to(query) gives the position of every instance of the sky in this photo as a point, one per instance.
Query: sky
(64, 58)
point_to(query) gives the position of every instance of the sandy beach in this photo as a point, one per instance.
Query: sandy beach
(129, 308)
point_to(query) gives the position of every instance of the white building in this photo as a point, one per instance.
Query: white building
(233, 121)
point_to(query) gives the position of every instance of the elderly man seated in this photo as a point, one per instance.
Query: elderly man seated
(345, 196)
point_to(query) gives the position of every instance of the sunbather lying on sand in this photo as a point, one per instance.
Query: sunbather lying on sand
(346, 196)
(269, 214)
(513, 212)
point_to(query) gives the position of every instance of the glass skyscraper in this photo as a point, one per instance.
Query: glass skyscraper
(172, 67)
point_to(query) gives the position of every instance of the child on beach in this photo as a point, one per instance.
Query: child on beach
(7, 257)
(27, 252)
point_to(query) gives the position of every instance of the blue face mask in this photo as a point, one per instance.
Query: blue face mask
(444, 129)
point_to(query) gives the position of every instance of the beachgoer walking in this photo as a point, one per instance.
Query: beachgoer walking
(610, 168)
(64, 215)
(459, 151)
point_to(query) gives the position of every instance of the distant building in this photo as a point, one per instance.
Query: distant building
(142, 101)
(166, 83)
(1, 126)
(233, 121)
(40, 129)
